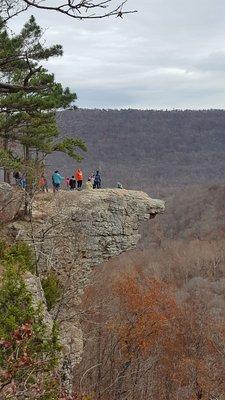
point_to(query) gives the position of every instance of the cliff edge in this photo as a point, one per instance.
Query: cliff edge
(94, 226)
(72, 232)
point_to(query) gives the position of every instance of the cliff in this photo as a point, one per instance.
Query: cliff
(72, 233)
(93, 226)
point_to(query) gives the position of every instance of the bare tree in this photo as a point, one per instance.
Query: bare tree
(82, 10)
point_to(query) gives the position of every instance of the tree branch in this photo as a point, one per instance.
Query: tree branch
(31, 72)
(8, 88)
(10, 9)
(84, 9)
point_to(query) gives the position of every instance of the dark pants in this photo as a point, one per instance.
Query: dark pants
(56, 187)
(72, 184)
(97, 185)
(79, 184)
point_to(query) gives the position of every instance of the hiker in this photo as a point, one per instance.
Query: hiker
(17, 177)
(79, 178)
(119, 185)
(43, 184)
(67, 181)
(92, 178)
(97, 181)
(89, 185)
(56, 181)
(23, 182)
(72, 183)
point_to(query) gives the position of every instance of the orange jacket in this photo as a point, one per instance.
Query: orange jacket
(79, 175)
(42, 181)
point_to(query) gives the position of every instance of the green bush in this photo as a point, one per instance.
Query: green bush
(52, 290)
(19, 253)
(28, 355)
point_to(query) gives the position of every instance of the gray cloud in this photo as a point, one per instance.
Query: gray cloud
(169, 55)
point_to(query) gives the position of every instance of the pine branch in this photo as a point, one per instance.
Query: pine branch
(9, 88)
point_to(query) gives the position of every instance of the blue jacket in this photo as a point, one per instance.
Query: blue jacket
(57, 178)
(98, 178)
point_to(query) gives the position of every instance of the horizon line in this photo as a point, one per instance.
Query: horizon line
(142, 109)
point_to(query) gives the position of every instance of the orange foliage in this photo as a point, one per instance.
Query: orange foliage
(190, 362)
(150, 340)
(147, 307)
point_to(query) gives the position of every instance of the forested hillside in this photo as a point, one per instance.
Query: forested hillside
(195, 212)
(153, 319)
(148, 149)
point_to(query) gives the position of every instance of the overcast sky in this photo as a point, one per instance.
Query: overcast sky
(169, 55)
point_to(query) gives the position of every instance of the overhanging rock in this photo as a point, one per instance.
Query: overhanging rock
(80, 230)
(86, 228)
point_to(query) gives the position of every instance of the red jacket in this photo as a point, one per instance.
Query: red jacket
(79, 175)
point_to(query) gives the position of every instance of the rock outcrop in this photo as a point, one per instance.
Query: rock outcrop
(10, 202)
(82, 230)
(89, 227)
(73, 233)
(33, 285)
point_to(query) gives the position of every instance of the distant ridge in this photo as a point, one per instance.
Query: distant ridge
(147, 149)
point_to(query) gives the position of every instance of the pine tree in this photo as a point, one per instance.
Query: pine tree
(27, 122)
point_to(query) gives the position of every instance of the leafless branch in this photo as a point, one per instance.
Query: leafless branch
(82, 9)
(11, 8)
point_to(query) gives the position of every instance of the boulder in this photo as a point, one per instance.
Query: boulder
(10, 202)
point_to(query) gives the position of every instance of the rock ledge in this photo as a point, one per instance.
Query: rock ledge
(76, 231)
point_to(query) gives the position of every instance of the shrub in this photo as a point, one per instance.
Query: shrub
(52, 290)
(28, 355)
(19, 253)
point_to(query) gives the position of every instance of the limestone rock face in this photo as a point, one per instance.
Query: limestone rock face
(73, 232)
(82, 230)
(33, 285)
(10, 202)
(89, 227)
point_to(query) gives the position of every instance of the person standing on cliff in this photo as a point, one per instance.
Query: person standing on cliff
(56, 181)
(17, 177)
(67, 181)
(97, 181)
(92, 178)
(43, 183)
(89, 185)
(72, 183)
(79, 178)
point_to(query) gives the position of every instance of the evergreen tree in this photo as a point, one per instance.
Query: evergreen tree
(27, 121)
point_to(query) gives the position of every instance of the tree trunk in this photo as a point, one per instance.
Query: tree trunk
(119, 386)
(199, 391)
(99, 369)
(6, 170)
(28, 188)
(199, 394)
